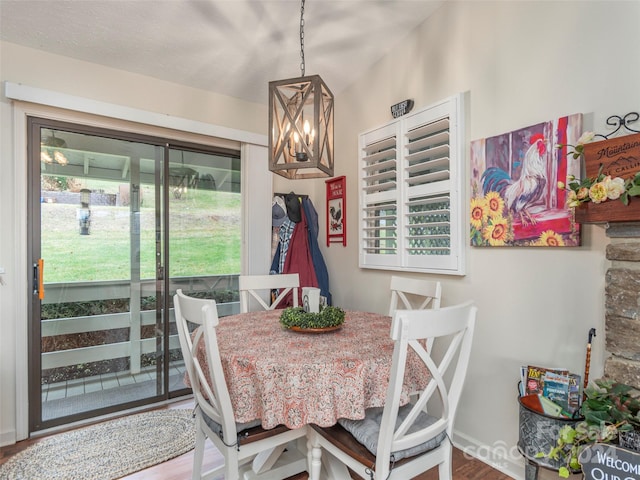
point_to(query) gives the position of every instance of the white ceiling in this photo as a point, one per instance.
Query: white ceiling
(232, 47)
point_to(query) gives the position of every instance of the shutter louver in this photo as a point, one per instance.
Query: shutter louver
(378, 194)
(380, 229)
(428, 226)
(380, 165)
(427, 159)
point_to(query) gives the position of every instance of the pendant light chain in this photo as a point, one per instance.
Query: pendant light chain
(302, 66)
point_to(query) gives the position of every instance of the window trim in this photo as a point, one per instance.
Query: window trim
(227, 137)
(373, 190)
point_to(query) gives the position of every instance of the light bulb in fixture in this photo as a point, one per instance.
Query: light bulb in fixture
(296, 142)
(306, 128)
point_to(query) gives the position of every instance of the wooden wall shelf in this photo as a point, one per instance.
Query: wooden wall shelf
(619, 157)
(609, 212)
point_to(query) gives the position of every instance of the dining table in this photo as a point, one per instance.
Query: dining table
(285, 377)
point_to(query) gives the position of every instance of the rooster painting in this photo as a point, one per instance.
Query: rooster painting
(521, 194)
(517, 179)
(336, 216)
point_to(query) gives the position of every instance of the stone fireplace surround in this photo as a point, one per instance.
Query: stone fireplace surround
(622, 303)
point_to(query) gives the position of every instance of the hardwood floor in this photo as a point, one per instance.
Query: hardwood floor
(179, 468)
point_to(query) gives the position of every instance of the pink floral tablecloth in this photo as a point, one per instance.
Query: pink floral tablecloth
(294, 379)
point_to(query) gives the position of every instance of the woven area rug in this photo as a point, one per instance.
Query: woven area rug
(107, 450)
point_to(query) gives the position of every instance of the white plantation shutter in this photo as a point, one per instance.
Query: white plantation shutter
(411, 192)
(379, 184)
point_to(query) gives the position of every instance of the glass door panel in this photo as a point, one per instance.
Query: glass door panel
(204, 224)
(114, 230)
(97, 323)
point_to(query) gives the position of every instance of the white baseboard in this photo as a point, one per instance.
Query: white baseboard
(7, 438)
(500, 456)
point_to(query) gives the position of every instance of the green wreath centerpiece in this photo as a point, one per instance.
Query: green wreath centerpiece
(329, 316)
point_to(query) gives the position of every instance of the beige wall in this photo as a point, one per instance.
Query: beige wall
(519, 63)
(65, 75)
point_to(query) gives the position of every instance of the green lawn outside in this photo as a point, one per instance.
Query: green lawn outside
(204, 239)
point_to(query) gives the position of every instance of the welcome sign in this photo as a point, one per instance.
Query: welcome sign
(601, 461)
(619, 157)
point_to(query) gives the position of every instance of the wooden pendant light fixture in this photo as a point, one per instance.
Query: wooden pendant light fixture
(301, 124)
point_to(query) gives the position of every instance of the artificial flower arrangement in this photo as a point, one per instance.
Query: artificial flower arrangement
(600, 188)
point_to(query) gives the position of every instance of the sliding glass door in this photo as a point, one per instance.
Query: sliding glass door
(118, 222)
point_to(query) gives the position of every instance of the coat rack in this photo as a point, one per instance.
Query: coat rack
(299, 195)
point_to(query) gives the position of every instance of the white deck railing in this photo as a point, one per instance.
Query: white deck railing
(134, 320)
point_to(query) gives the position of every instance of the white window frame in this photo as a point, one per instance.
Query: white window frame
(399, 180)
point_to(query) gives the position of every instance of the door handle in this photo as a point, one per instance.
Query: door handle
(38, 279)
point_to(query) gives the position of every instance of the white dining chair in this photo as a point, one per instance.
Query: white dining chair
(238, 443)
(259, 287)
(414, 294)
(399, 442)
